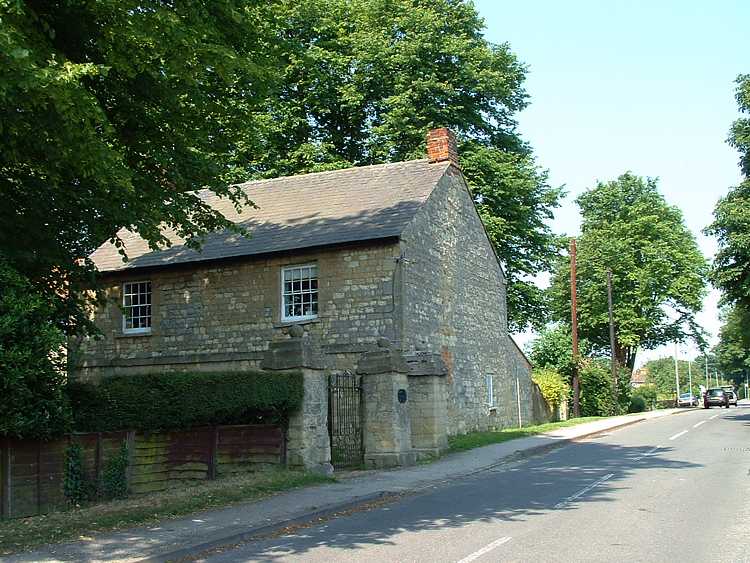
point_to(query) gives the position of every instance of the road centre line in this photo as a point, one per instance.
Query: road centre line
(486, 549)
(697, 424)
(714, 416)
(678, 435)
(584, 490)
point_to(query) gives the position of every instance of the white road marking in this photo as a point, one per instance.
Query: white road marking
(697, 424)
(714, 416)
(584, 490)
(678, 435)
(486, 549)
(648, 453)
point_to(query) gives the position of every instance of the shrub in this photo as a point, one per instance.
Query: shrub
(637, 404)
(175, 401)
(596, 389)
(115, 478)
(552, 385)
(77, 488)
(648, 393)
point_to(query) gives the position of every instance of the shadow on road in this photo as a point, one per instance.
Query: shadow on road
(511, 493)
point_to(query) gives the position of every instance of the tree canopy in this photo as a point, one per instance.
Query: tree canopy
(110, 113)
(731, 226)
(657, 269)
(733, 349)
(113, 111)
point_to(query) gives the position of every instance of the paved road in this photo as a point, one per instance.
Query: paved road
(669, 489)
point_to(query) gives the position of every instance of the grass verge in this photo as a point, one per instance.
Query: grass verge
(27, 533)
(479, 439)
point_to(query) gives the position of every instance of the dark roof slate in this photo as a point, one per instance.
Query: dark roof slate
(297, 212)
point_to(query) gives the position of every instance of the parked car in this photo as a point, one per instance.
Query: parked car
(715, 396)
(732, 397)
(687, 400)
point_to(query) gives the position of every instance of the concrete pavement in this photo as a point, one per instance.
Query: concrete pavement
(181, 537)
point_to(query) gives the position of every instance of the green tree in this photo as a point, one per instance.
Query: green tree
(364, 80)
(32, 404)
(657, 269)
(733, 349)
(553, 349)
(731, 226)
(660, 373)
(110, 113)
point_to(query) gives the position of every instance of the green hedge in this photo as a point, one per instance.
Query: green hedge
(174, 401)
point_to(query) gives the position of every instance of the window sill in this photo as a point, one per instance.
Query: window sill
(284, 324)
(133, 334)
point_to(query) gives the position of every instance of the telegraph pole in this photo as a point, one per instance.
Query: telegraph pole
(676, 375)
(612, 336)
(690, 377)
(574, 329)
(708, 379)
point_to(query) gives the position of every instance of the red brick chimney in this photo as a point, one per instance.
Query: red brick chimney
(441, 146)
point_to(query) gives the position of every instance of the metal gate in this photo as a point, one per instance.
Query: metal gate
(345, 420)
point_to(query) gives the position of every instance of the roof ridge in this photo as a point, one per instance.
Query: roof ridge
(337, 171)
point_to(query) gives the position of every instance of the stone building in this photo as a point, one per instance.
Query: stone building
(385, 272)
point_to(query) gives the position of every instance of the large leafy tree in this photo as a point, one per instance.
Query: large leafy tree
(110, 112)
(657, 269)
(731, 226)
(364, 80)
(733, 349)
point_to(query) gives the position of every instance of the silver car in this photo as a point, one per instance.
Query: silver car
(687, 400)
(732, 397)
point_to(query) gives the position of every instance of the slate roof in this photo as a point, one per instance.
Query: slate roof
(297, 212)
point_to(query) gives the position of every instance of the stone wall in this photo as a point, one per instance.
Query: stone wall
(220, 317)
(454, 305)
(534, 409)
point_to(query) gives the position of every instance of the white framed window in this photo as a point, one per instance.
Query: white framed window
(490, 391)
(136, 307)
(299, 293)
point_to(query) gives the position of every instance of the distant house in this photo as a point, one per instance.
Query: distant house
(638, 378)
(355, 256)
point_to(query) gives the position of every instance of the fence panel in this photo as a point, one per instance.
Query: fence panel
(32, 472)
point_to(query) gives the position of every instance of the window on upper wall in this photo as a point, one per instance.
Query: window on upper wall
(136, 307)
(299, 293)
(490, 392)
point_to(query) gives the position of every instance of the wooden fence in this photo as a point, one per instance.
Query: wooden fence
(32, 472)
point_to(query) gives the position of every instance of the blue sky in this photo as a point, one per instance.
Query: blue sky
(631, 85)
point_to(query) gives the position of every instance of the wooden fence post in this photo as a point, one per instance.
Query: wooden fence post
(98, 460)
(130, 440)
(5, 480)
(213, 453)
(39, 477)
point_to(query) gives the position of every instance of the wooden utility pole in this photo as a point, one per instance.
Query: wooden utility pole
(612, 336)
(574, 329)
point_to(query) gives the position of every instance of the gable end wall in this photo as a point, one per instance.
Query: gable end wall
(454, 304)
